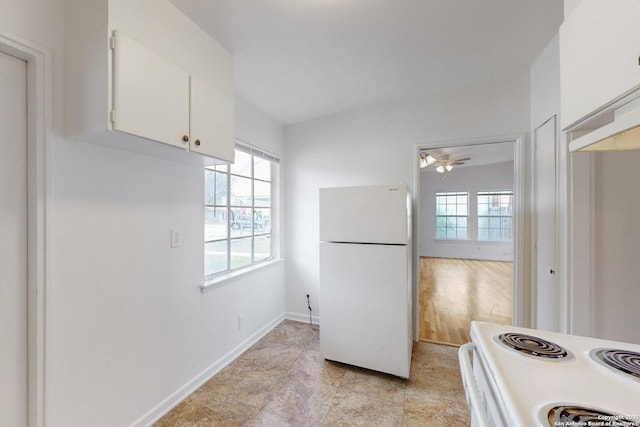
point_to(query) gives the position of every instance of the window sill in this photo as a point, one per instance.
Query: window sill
(235, 275)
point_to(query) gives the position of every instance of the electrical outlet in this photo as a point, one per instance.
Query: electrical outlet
(240, 322)
(176, 239)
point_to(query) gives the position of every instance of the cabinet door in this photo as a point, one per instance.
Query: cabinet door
(212, 121)
(599, 49)
(150, 94)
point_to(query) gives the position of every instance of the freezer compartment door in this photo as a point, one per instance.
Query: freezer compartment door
(365, 306)
(370, 214)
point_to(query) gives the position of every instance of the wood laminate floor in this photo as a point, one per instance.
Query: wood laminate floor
(453, 292)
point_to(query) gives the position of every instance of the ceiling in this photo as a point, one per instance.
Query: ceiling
(301, 59)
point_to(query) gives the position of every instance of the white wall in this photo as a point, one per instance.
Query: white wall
(127, 325)
(545, 104)
(470, 179)
(570, 6)
(130, 325)
(545, 84)
(376, 145)
(617, 245)
(256, 128)
(574, 201)
(598, 211)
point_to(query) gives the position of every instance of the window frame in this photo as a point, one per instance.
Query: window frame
(233, 211)
(456, 194)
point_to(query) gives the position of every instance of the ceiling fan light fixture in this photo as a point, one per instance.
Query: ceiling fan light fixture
(426, 160)
(448, 168)
(440, 169)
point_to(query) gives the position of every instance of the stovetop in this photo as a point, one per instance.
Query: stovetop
(529, 385)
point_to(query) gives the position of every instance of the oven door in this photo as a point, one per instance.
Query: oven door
(474, 399)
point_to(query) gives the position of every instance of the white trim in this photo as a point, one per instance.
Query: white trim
(564, 221)
(232, 276)
(196, 382)
(302, 318)
(246, 145)
(581, 286)
(520, 239)
(39, 133)
(416, 242)
(591, 283)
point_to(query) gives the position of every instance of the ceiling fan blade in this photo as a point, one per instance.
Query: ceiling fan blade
(456, 163)
(462, 160)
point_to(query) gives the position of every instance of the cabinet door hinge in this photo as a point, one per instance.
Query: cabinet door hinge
(112, 116)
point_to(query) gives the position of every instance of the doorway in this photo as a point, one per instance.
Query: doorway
(469, 237)
(13, 251)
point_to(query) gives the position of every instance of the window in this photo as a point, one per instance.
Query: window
(238, 212)
(495, 216)
(452, 215)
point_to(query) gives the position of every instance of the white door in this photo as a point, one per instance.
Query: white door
(13, 250)
(546, 289)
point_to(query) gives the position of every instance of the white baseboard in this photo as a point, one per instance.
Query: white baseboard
(183, 392)
(303, 318)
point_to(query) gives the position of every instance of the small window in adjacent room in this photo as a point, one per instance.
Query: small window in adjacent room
(495, 216)
(452, 215)
(238, 212)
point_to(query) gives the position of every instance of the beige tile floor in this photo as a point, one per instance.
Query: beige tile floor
(283, 381)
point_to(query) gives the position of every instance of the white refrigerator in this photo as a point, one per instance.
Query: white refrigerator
(365, 277)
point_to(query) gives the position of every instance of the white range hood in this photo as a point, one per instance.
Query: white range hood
(616, 127)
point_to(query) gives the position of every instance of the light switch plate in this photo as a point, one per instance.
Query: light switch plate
(176, 239)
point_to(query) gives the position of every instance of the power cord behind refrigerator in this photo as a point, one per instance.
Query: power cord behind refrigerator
(315, 328)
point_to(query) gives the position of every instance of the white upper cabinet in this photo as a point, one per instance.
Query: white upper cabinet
(599, 58)
(150, 94)
(139, 73)
(211, 111)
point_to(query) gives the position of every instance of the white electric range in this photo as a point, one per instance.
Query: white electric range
(527, 377)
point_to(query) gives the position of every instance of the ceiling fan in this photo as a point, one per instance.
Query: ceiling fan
(442, 163)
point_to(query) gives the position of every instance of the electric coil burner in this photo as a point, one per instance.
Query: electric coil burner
(533, 346)
(626, 362)
(574, 415)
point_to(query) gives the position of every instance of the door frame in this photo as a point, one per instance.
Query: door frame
(39, 135)
(522, 292)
